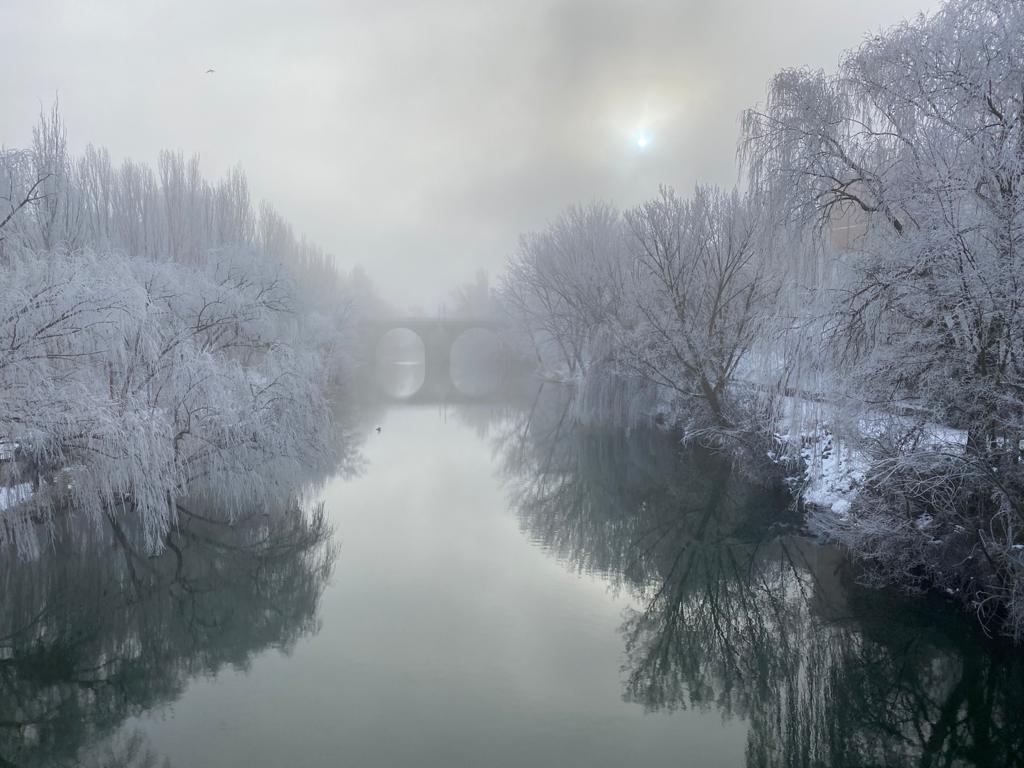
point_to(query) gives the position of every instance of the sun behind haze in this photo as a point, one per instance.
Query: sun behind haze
(420, 139)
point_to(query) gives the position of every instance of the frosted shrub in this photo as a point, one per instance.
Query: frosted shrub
(189, 379)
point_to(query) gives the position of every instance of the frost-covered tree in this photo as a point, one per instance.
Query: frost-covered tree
(566, 284)
(920, 136)
(701, 293)
(921, 131)
(663, 304)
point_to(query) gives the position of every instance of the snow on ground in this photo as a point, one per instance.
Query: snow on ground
(832, 473)
(14, 494)
(833, 469)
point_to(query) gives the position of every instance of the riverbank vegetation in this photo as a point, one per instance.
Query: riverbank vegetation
(161, 338)
(855, 303)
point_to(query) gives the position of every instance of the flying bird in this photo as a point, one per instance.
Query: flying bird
(378, 430)
(210, 71)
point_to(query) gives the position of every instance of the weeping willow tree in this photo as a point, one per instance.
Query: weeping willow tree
(918, 135)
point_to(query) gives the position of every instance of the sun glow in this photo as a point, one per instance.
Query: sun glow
(639, 122)
(642, 139)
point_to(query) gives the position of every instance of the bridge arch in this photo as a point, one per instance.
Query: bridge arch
(438, 337)
(475, 362)
(399, 361)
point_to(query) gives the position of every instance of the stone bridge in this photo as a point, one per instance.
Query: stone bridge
(438, 336)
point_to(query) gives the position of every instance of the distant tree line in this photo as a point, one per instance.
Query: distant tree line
(870, 270)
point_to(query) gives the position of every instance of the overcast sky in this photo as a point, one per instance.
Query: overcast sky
(421, 138)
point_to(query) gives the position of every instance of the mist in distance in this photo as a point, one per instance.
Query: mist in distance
(421, 139)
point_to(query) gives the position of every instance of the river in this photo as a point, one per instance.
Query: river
(491, 586)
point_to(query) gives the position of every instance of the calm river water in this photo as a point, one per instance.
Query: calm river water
(494, 587)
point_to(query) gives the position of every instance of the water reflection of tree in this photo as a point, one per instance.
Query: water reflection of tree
(737, 614)
(905, 685)
(97, 631)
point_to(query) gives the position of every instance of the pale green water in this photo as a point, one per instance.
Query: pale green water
(503, 590)
(447, 638)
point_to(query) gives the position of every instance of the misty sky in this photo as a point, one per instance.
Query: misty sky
(420, 138)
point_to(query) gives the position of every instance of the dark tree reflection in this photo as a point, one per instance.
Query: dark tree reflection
(97, 631)
(736, 611)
